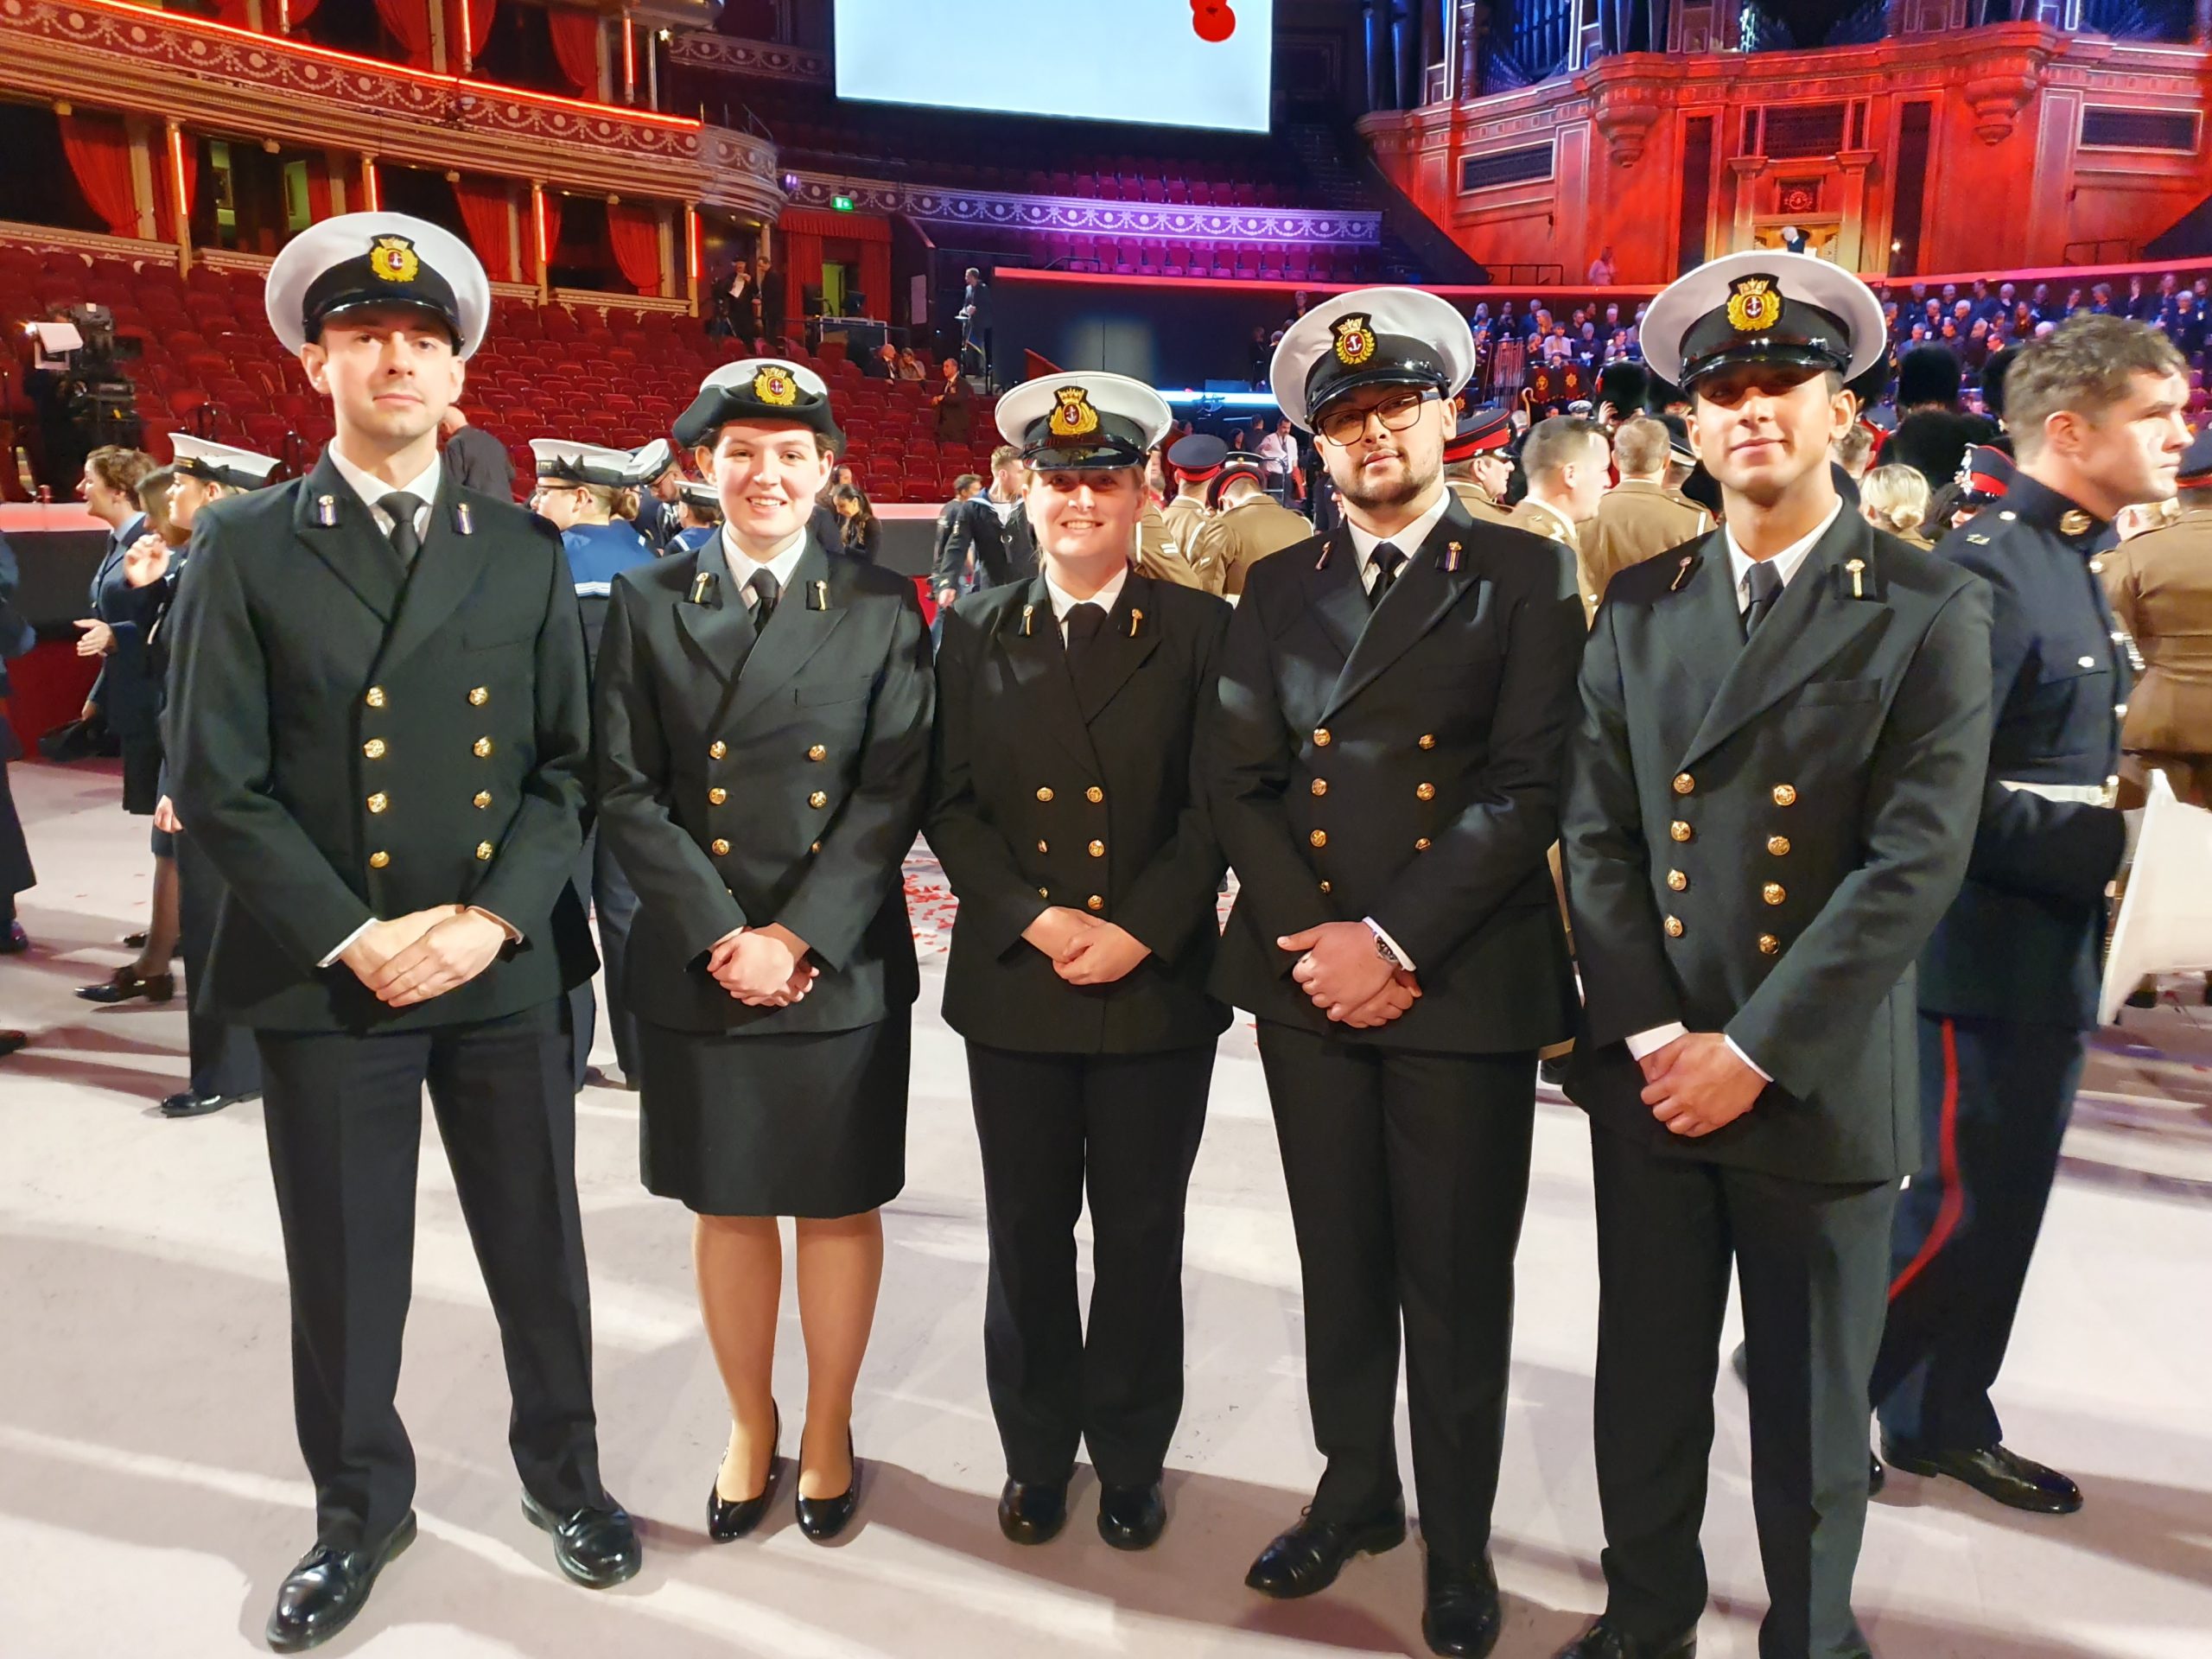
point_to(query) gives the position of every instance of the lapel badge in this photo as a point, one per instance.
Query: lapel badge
(326, 511)
(461, 521)
(1136, 621)
(1682, 573)
(1028, 620)
(818, 595)
(1451, 558)
(2074, 522)
(1979, 541)
(1857, 570)
(703, 585)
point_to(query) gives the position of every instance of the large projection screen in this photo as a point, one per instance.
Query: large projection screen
(1184, 63)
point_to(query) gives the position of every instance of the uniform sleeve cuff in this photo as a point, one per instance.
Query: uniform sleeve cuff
(346, 944)
(513, 933)
(1650, 1042)
(1765, 1076)
(1397, 953)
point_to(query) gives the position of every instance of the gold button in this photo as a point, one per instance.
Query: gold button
(1429, 739)
(1677, 882)
(1043, 893)
(1785, 795)
(1679, 830)
(814, 847)
(718, 846)
(1095, 902)
(483, 798)
(483, 851)
(1320, 837)
(1778, 845)
(379, 860)
(817, 799)
(479, 695)
(1774, 893)
(1324, 886)
(1769, 945)
(1098, 849)
(1422, 845)
(1043, 847)
(374, 748)
(483, 747)
(1674, 927)
(1321, 737)
(1045, 795)
(717, 750)
(378, 801)
(717, 795)
(1425, 791)
(817, 752)
(1321, 785)
(375, 698)
(1094, 794)
(1684, 784)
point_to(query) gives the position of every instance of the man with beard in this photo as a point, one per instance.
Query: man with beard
(1384, 764)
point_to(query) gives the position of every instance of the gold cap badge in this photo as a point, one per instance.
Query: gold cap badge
(1354, 339)
(1072, 415)
(774, 385)
(1753, 304)
(393, 258)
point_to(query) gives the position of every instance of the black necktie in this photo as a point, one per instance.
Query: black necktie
(767, 590)
(403, 507)
(1084, 624)
(1386, 558)
(1766, 588)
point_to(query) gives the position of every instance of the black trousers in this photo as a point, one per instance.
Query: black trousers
(613, 905)
(16, 872)
(1995, 1098)
(1810, 1260)
(345, 1119)
(223, 1057)
(1125, 1127)
(1408, 1173)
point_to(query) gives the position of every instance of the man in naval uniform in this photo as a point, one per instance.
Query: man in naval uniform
(1770, 798)
(1384, 764)
(381, 735)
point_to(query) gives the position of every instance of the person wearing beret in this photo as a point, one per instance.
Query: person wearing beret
(382, 740)
(1246, 525)
(2008, 984)
(1066, 810)
(764, 735)
(1770, 798)
(1383, 765)
(1479, 463)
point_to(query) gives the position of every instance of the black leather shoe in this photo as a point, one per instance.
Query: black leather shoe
(1606, 1640)
(135, 941)
(598, 1547)
(189, 1104)
(1461, 1617)
(728, 1520)
(1309, 1556)
(2012, 1480)
(13, 940)
(12, 1040)
(1131, 1517)
(822, 1518)
(1877, 1476)
(1034, 1511)
(321, 1595)
(128, 982)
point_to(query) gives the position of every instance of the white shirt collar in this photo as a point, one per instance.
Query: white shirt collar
(780, 563)
(1785, 562)
(1105, 599)
(423, 487)
(1408, 541)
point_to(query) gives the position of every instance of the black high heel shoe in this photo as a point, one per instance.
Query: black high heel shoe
(128, 982)
(822, 1518)
(728, 1521)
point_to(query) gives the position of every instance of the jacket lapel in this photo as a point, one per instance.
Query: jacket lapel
(1120, 650)
(338, 528)
(718, 630)
(794, 633)
(1040, 668)
(1700, 634)
(1808, 626)
(1417, 601)
(447, 569)
(1335, 594)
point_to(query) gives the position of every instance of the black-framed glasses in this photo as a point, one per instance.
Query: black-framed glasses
(1344, 426)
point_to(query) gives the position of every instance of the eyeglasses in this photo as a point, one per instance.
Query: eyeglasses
(1344, 426)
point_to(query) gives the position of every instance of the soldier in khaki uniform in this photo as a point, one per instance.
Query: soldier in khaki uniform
(1159, 555)
(2160, 588)
(1477, 468)
(1565, 460)
(1246, 524)
(1194, 461)
(1640, 516)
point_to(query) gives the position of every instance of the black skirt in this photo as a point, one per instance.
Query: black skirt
(806, 1123)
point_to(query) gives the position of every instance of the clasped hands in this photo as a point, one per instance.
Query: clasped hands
(762, 966)
(1084, 949)
(426, 953)
(1339, 968)
(1697, 1084)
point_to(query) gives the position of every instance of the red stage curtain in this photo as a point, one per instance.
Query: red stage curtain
(875, 278)
(319, 190)
(575, 46)
(98, 148)
(409, 23)
(634, 234)
(480, 28)
(164, 216)
(484, 211)
(805, 230)
(552, 202)
(234, 13)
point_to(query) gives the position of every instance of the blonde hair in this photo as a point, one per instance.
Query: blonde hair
(1894, 498)
(1853, 448)
(1640, 445)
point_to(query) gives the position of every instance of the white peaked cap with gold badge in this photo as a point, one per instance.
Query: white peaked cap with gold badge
(363, 259)
(566, 461)
(1064, 422)
(1762, 306)
(764, 390)
(1369, 337)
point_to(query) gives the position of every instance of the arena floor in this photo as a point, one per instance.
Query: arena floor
(152, 1496)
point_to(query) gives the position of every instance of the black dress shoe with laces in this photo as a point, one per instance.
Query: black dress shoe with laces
(822, 1518)
(1309, 1556)
(127, 983)
(596, 1546)
(2017, 1483)
(13, 940)
(321, 1595)
(1606, 1640)
(1461, 1617)
(12, 1040)
(1033, 1511)
(1132, 1517)
(728, 1520)
(189, 1104)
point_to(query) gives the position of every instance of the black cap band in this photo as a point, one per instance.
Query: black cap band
(1373, 360)
(1113, 440)
(213, 472)
(771, 397)
(389, 273)
(1761, 324)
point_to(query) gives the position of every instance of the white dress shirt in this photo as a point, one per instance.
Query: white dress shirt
(423, 487)
(1064, 601)
(1787, 563)
(779, 563)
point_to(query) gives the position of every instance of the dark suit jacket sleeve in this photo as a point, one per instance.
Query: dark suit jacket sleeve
(997, 904)
(670, 871)
(1248, 760)
(1437, 902)
(2067, 849)
(539, 854)
(1922, 791)
(220, 761)
(1627, 986)
(1173, 896)
(865, 849)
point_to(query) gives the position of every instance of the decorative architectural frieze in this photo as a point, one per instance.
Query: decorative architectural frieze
(701, 49)
(1087, 216)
